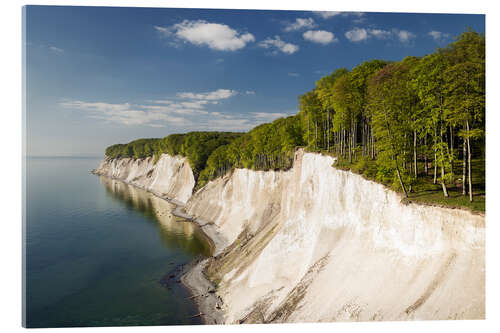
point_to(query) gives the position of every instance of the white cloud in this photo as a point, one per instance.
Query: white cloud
(320, 36)
(439, 36)
(357, 35)
(56, 49)
(157, 113)
(380, 34)
(361, 34)
(162, 101)
(279, 45)
(300, 23)
(404, 36)
(182, 116)
(123, 114)
(209, 96)
(250, 92)
(328, 14)
(216, 36)
(96, 106)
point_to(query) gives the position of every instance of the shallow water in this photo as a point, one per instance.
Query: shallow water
(97, 250)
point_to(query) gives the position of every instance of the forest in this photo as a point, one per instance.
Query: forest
(416, 125)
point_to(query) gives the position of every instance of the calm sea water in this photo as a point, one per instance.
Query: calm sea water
(97, 250)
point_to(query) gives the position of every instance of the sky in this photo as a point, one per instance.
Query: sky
(96, 76)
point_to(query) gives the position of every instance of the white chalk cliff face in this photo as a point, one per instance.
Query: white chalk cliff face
(171, 176)
(319, 244)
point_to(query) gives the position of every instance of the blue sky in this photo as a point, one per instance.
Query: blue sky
(98, 76)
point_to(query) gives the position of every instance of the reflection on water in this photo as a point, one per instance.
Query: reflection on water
(175, 232)
(97, 250)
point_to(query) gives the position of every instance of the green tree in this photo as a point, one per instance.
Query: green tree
(465, 86)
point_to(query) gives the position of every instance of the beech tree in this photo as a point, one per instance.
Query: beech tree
(465, 85)
(429, 80)
(359, 83)
(388, 103)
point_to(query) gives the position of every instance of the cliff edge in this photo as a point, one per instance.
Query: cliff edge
(317, 244)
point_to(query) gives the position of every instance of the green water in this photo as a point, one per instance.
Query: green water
(97, 250)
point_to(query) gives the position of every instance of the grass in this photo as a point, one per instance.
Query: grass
(424, 191)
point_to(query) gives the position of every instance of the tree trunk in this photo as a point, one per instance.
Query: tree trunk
(464, 170)
(435, 155)
(415, 152)
(350, 147)
(324, 134)
(469, 162)
(316, 137)
(354, 135)
(404, 154)
(343, 142)
(399, 177)
(373, 143)
(308, 130)
(435, 166)
(426, 169)
(395, 155)
(363, 135)
(443, 185)
(328, 129)
(452, 143)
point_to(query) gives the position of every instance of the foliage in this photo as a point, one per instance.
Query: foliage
(403, 123)
(196, 146)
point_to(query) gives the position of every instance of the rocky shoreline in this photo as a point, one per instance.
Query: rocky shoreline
(299, 245)
(203, 292)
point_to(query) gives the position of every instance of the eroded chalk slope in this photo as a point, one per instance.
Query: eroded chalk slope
(319, 244)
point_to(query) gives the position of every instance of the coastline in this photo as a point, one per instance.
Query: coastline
(203, 292)
(396, 231)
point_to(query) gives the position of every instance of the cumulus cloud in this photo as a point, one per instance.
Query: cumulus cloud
(438, 36)
(320, 36)
(279, 45)
(404, 36)
(360, 34)
(216, 36)
(357, 35)
(300, 23)
(380, 34)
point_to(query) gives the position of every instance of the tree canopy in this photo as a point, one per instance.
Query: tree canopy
(407, 117)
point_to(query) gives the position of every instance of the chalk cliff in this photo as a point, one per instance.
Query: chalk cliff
(316, 244)
(170, 176)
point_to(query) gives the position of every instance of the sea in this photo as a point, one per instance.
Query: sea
(99, 252)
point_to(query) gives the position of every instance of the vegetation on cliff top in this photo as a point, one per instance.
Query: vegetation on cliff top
(196, 146)
(417, 125)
